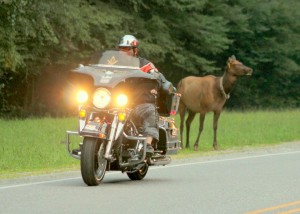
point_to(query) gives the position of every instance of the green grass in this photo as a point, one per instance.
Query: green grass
(243, 129)
(34, 145)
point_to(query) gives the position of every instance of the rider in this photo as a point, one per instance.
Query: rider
(145, 112)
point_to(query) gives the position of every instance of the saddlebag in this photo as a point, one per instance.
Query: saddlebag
(168, 104)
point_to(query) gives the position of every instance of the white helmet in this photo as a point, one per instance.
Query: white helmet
(128, 41)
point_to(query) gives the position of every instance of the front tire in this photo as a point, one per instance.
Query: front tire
(139, 174)
(92, 162)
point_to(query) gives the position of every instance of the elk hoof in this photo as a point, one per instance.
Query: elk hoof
(196, 147)
(216, 147)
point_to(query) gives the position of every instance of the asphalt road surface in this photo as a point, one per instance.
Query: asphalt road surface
(257, 181)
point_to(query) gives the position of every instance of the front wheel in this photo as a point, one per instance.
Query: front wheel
(93, 164)
(139, 174)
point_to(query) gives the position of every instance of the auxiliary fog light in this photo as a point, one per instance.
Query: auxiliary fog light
(82, 96)
(122, 100)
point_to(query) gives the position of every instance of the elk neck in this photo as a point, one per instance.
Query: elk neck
(227, 81)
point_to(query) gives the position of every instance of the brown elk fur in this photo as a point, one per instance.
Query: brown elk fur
(206, 94)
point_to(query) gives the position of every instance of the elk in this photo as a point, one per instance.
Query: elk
(206, 94)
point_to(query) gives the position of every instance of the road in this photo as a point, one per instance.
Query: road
(259, 181)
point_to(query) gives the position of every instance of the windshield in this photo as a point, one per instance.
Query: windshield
(112, 68)
(118, 59)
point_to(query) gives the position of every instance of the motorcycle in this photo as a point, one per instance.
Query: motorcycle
(111, 140)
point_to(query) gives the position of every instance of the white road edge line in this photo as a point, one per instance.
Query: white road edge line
(233, 159)
(169, 166)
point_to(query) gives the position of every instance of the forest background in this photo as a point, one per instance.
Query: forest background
(41, 41)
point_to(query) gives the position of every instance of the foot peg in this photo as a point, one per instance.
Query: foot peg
(76, 152)
(157, 160)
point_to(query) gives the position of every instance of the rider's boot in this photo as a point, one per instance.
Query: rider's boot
(149, 150)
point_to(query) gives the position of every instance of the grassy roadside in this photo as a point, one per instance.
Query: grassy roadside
(33, 146)
(240, 129)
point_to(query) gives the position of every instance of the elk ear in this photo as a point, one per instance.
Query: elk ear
(230, 60)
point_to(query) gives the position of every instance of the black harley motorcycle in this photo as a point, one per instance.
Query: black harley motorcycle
(111, 140)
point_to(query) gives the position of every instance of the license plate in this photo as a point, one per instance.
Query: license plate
(91, 127)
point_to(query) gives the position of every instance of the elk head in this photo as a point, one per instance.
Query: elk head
(237, 68)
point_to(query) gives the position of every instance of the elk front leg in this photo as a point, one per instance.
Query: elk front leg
(188, 126)
(215, 127)
(182, 117)
(201, 124)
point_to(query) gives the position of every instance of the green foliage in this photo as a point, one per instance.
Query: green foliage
(270, 49)
(41, 39)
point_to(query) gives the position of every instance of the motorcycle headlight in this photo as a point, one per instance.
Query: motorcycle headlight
(122, 100)
(101, 98)
(82, 96)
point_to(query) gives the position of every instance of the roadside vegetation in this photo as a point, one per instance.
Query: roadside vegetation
(240, 130)
(32, 146)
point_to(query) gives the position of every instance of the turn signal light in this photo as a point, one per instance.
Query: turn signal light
(82, 113)
(102, 136)
(122, 117)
